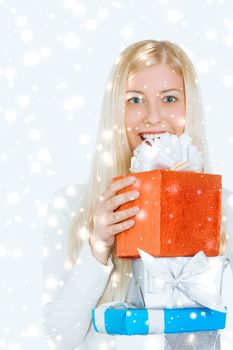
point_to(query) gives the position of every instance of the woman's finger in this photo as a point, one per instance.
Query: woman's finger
(121, 215)
(117, 228)
(116, 186)
(113, 203)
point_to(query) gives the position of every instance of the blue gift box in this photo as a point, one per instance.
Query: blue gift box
(133, 321)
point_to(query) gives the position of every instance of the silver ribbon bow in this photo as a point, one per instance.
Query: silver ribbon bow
(191, 280)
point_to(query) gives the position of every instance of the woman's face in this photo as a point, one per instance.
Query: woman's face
(154, 103)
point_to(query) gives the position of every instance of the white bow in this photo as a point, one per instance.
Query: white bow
(191, 280)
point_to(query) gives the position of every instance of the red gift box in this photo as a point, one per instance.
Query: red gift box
(180, 214)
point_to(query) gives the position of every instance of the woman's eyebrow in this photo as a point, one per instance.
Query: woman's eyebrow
(162, 91)
(173, 89)
(137, 92)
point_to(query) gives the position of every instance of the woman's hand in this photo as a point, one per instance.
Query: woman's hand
(107, 222)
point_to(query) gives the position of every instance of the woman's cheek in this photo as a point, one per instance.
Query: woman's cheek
(133, 117)
(180, 123)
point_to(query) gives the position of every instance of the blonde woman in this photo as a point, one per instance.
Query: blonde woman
(152, 88)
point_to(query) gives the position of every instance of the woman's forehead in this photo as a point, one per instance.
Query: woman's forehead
(158, 77)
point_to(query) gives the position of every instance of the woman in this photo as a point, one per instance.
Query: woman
(152, 88)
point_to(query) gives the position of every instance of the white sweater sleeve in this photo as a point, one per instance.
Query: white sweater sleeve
(70, 292)
(227, 202)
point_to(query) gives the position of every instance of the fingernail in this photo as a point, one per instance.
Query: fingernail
(131, 179)
(135, 210)
(130, 222)
(135, 194)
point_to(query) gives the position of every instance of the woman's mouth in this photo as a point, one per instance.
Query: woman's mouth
(152, 136)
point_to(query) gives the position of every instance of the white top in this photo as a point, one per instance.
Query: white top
(70, 293)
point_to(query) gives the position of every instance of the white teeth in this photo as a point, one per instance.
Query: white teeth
(151, 136)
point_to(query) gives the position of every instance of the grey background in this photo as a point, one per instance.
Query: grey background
(54, 62)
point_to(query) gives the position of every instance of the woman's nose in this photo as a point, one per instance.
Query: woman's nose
(152, 114)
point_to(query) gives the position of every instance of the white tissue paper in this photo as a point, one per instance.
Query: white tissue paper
(167, 151)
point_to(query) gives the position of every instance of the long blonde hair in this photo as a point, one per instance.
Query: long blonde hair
(113, 154)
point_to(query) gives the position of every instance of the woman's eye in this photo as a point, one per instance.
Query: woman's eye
(135, 100)
(170, 99)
